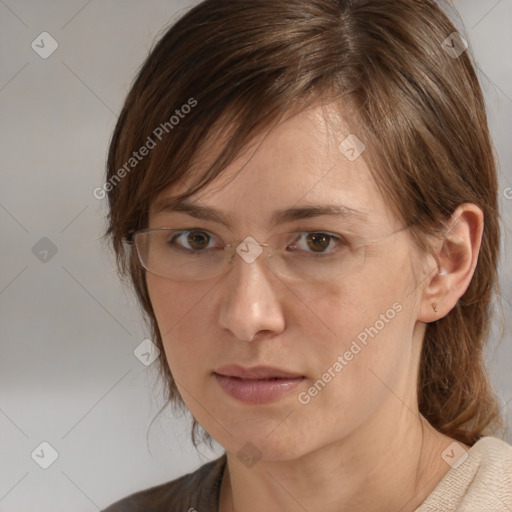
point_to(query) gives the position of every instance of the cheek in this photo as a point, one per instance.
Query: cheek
(340, 311)
(368, 323)
(181, 311)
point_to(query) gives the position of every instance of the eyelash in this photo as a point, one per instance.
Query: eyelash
(337, 238)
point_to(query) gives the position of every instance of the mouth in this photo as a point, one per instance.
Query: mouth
(256, 372)
(256, 385)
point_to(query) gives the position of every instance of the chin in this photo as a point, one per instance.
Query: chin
(257, 450)
(268, 443)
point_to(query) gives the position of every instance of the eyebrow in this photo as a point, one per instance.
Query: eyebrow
(278, 217)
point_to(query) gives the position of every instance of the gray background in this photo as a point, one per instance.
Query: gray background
(68, 374)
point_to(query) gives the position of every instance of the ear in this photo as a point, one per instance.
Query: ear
(456, 256)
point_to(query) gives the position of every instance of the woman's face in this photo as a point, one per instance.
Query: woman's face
(351, 338)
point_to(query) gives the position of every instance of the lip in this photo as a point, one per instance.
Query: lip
(256, 385)
(256, 372)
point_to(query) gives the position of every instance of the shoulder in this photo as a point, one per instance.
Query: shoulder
(194, 491)
(482, 480)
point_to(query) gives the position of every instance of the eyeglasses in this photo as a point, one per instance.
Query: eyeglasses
(192, 255)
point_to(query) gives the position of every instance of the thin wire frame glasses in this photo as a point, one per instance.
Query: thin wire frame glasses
(164, 252)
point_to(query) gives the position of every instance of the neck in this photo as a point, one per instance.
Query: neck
(393, 467)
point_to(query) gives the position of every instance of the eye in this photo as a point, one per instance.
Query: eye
(317, 242)
(193, 240)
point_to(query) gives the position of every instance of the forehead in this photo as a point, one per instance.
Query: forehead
(301, 161)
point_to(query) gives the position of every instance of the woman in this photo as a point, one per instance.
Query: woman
(304, 195)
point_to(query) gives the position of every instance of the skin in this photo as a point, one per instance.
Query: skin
(360, 444)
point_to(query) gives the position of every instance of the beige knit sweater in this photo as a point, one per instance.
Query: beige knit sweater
(482, 482)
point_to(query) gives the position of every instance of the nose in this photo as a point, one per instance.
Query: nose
(250, 307)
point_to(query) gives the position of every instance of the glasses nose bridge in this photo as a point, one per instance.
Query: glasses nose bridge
(247, 250)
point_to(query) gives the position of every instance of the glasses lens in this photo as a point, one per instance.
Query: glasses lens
(317, 257)
(311, 256)
(186, 259)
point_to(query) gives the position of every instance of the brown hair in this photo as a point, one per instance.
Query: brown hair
(244, 64)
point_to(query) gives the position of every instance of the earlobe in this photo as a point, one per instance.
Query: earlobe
(456, 258)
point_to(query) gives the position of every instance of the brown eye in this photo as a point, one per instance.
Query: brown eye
(318, 242)
(311, 243)
(198, 240)
(192, 241)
